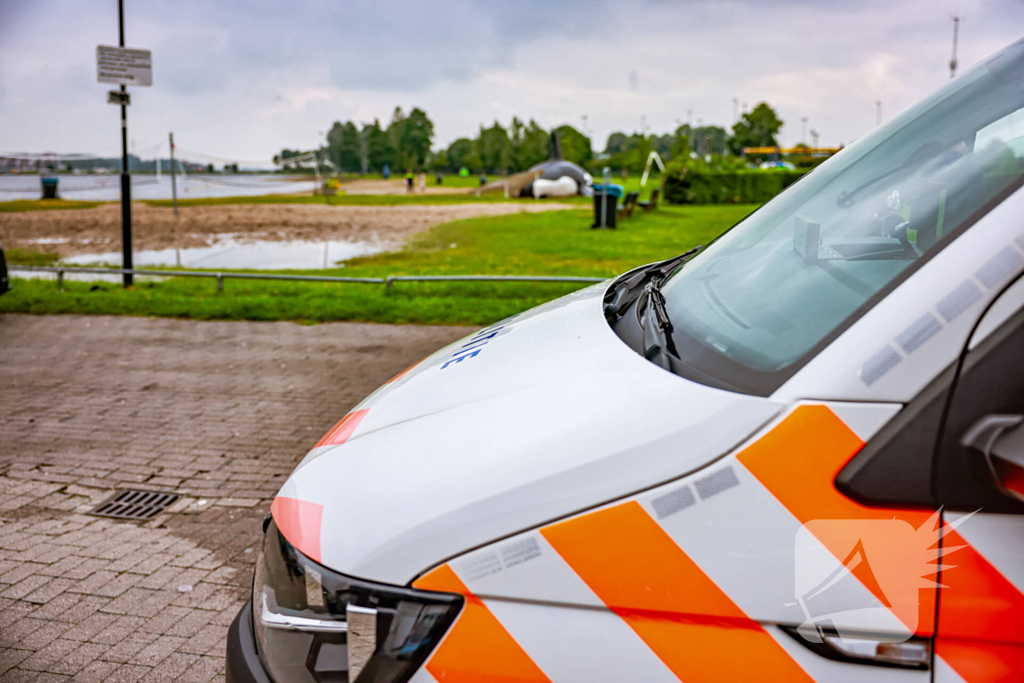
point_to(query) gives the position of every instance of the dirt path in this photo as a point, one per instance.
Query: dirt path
(88, 231)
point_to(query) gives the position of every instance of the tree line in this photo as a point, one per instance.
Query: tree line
(405, 144)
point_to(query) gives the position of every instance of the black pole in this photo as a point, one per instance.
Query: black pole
(174, 182)
(126, 183)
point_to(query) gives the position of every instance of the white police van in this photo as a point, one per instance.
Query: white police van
(732, 465)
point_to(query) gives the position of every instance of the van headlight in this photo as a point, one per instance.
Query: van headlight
(313, 624)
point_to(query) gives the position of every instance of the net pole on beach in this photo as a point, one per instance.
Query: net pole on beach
(126, 184)
(174, 181)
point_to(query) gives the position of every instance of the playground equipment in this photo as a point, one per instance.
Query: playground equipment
(652, 158)
(555, 177)
(301, 158)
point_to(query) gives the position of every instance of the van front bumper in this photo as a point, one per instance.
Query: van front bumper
(243, 664)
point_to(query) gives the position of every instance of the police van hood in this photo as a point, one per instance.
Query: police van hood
(530, 420)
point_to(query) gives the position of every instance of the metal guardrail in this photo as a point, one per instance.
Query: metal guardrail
(489, 278)
(221, 276)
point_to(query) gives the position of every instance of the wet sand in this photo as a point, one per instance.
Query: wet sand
(85, 231)
(397, 186)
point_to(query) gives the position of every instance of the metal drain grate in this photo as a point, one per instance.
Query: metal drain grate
(135, 505)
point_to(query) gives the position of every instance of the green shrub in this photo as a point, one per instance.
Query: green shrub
(688, 186)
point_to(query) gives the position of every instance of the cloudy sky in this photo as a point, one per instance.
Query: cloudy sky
(240, 79)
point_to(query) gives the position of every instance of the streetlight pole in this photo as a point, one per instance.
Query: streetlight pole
(878, 112)
(126, 183)
(803, 130)
(735, 109)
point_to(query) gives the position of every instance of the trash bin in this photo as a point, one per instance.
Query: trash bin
(606, 204)
(49, 187)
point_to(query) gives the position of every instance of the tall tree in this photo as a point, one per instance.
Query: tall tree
(616, 143)
(344, 146)
(709, 140)
(662, 144)
(575, 145)
(415, 137)
(494, 149)
(459, 154)
(394, 131)
(438, 161)
(516, 137)
(757, 128)
(681, 142)
(378, 147)
(643, 150)
(529, 144)
(622, 150)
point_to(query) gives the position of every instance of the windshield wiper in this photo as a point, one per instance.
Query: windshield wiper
(626, 291)
(657, 327)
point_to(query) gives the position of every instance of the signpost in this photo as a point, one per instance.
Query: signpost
(124, 66)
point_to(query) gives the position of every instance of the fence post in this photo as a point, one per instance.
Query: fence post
(220, 282)
(387, 284)
(60, 279)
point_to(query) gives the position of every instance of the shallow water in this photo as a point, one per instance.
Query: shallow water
(108, 187)
(231, 254)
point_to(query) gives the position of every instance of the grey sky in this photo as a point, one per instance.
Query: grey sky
(243, 78)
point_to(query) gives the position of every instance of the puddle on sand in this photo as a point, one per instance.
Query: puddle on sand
(231, 254)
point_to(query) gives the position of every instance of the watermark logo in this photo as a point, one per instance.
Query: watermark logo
(837, 559)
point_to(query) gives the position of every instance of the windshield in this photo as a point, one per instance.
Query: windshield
(793, 274)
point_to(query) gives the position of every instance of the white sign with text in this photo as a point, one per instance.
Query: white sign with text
(124, 65)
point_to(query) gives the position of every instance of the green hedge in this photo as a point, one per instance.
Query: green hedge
(727, 187)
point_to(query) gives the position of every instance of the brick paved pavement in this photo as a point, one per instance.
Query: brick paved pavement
(217, 411)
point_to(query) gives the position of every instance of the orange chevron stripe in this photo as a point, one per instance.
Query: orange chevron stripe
(299, 521)
(477, 647)
(979, 603)
(340, 432)
(982, 662)
(642, 575)
(797, 461)
(403, 373)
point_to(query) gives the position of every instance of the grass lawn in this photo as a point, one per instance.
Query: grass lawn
(556, 243)
(44, 205)
(29, 257)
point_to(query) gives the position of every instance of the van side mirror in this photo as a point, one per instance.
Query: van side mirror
(999, 439)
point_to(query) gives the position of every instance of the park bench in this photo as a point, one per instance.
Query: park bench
(652, 203)
(626, 210)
